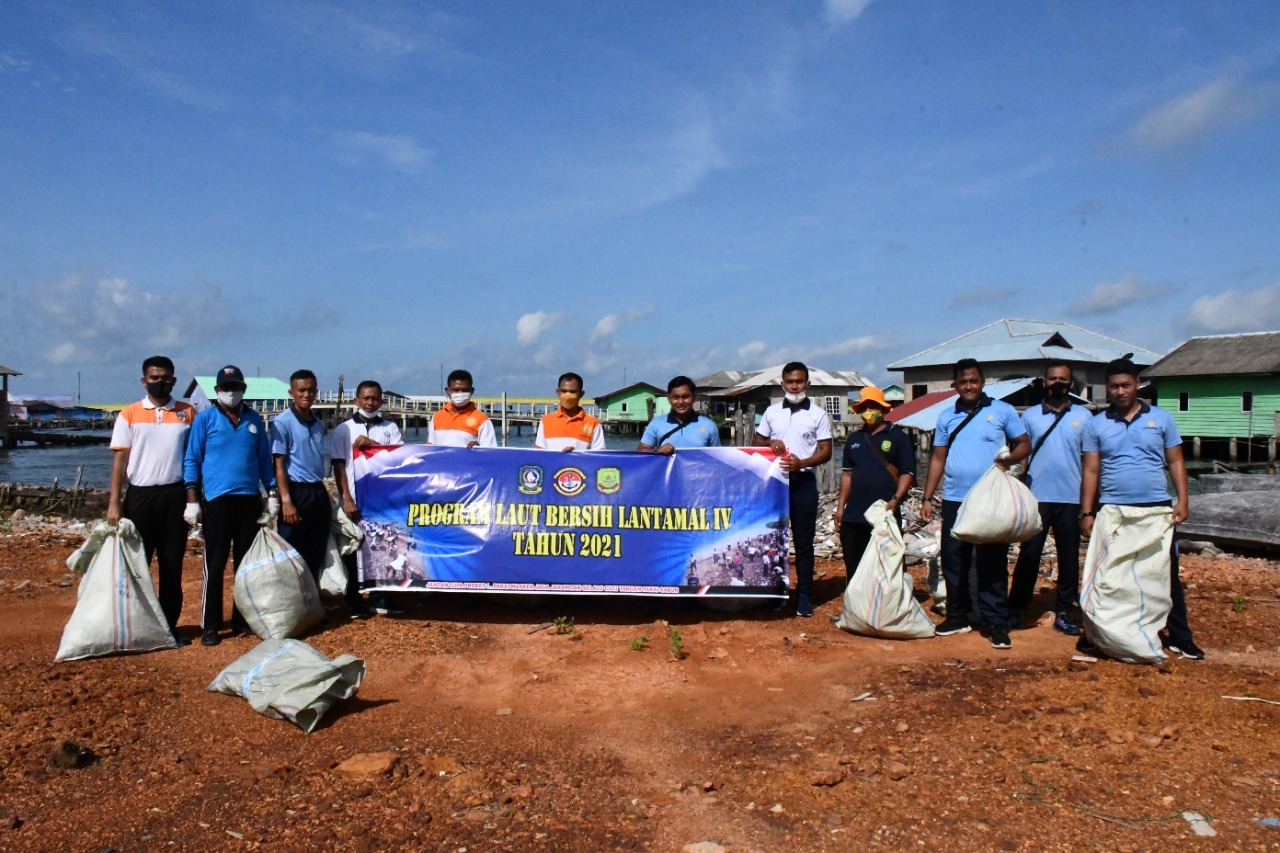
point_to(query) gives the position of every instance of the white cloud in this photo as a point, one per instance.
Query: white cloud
(62, 353)
(146, 63)
(1108, 296)
(1234, 311)
(752, 352)
(606, 326)
(841, 12)
(399, 152)
(1192, 118)
(531, 327)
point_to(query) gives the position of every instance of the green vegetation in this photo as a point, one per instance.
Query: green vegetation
(640, 644)
(675, 643)
(1237, 604)
(563, 624)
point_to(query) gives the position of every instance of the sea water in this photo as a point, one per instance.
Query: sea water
(37, 466)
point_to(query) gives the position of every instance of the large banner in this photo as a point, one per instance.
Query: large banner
(701, 522)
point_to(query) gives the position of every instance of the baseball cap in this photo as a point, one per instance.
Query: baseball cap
(229, 375)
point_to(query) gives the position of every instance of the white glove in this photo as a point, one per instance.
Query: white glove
(191, 515)
(273, 505)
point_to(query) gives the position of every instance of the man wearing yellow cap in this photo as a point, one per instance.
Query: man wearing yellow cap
(879, 465)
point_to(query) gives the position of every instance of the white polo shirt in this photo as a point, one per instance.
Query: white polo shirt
(156, 438)
(384, 431)
(799, 429)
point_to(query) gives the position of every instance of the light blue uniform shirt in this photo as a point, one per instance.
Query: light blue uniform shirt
(302, 444)
(700, 432)
(225, 459)
(995, 426)
(1054, 472)
(1132, 454)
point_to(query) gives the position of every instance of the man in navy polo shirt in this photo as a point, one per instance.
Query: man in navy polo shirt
(1126, 447)
(298, 445)
(1056, 428)
(228, 459)
(965, 445)
(879, 465)
(799, 432)
(682, 427)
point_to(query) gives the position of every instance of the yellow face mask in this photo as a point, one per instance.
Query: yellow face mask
(872, 417)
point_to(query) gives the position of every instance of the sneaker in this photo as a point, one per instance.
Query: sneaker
(1017, 619)
(1085, 647)
(804, 607)
(953, 625)
(210, 638)
(1063, 624)
(777, 605)
(181, 639)
(359, 611)
(1187, 649)
(1000, 639)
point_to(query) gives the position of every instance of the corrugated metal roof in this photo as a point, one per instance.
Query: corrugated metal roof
(1027, 340)
(1210, 355)
(817, 377)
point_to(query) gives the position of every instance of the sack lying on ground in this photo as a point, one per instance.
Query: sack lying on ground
(999, 508)
(344, 539)
(274, 590)
(878, 601)
(1125, 587)
(289, 680)
(116, 605)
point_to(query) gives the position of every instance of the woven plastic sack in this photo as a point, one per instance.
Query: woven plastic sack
(344, 539)
(289, 680)
(274, 590)
(878, 600)
(999, 508)
(116, 606)
(1125, 587)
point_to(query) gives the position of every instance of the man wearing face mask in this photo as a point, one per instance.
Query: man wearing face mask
(148, 440)
(460, 423)
(1056, 429)
(799, 432)
(367, 428)
(228, 461)
(879, 465)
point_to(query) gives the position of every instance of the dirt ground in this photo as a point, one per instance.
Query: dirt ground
(772, 733)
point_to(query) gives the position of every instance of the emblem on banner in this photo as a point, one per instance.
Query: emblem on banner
(570, 482)
(608, 480)
(530, 479)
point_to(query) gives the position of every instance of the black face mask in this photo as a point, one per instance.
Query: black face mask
(159, 390)
(1057, 390)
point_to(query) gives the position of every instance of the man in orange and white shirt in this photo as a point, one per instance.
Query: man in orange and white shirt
(460, 423)
(569, 427)
(149, 440)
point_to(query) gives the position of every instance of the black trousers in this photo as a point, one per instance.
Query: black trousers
(230, 525)
(157, 513)
(310, 536)
(1064, 520)
(993, 573)
(804, 527)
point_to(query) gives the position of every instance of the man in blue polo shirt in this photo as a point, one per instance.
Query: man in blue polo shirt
(965, 445)
(799, 432)
(682, 427)
(1056, 428)
(228, 459)
(298, 446)
(1126, 447)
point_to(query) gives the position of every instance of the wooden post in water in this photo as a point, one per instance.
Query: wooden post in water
(504, 418)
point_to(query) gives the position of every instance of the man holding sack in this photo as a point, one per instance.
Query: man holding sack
(1126, 447)
(965, 444)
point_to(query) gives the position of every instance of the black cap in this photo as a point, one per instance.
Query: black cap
(229, 375)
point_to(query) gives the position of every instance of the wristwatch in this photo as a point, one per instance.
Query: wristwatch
(1090, 514)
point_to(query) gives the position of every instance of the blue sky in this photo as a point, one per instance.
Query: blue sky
(379, 189)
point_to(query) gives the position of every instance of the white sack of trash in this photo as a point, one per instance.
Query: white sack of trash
(344, 540)
(1125, 586)
(999, 508)
(116, 606)
(878, 601)
(289, 680)
(274, 590)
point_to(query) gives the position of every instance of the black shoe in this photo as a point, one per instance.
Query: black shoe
(1085, 647)
(240, 630)
(778, 605)
(1000, 638)
(359, 611)
(804, 606)
(1017, 619)
(181, 640)
(1063, 624)
(955, 624)
(1187, 649)
(210, 638)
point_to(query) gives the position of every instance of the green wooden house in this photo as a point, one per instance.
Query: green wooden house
(636, 404)
(1223, 387)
